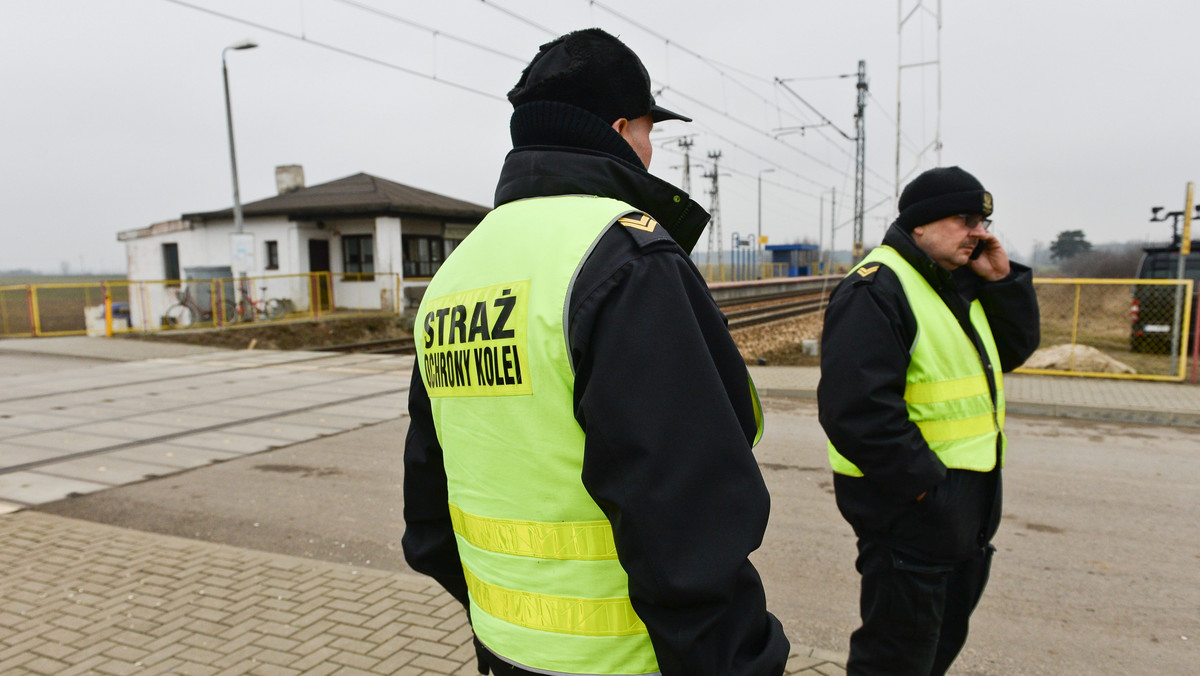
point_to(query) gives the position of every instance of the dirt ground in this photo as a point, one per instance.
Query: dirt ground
(777, 343)
(297, 335)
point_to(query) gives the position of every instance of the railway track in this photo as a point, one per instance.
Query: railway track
(789, 305)
(763, 308)
(386, 346)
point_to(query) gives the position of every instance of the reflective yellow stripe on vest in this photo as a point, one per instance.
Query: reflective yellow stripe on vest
(960, 388)
(560, 614)
(585, 541)
(936, 431)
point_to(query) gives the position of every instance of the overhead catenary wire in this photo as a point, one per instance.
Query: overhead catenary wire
(669, 146)
(410, 71)
(522, 19)
(716, 65)
(827, 122)
(760, 132)
(723, 69)
(335, 48)
(719, 67)
(436, 32)
(867, 210)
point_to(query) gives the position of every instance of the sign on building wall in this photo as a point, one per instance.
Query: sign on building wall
(241, 247)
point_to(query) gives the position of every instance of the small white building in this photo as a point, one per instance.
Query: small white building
(359, 229)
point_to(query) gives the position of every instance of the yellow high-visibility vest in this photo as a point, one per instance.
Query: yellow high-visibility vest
(547, 592)
(946, 393)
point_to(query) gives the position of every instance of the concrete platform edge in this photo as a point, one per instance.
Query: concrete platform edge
(1044, 410)
(1121, 415)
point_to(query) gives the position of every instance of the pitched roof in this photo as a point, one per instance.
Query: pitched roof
(357, 195)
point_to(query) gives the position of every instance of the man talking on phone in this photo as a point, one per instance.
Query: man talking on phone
(911, 396)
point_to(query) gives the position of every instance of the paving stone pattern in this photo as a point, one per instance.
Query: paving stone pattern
(84, 598)
(81, 598)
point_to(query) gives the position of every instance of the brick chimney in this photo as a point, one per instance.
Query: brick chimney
(289, 177)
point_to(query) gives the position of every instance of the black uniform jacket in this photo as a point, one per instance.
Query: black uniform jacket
(662, 394)
(865, 352)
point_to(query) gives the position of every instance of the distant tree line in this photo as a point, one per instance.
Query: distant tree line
(1106, 264)
(1077, 257)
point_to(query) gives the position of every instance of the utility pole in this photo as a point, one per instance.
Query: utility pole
(714, 210)
(686, 144)
(860, 160)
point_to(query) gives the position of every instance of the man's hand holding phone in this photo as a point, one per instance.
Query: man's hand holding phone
(989, 259)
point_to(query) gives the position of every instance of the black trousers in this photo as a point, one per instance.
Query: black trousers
(489, 663)
(914, 613)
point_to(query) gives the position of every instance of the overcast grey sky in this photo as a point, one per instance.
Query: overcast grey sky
(1075, 115)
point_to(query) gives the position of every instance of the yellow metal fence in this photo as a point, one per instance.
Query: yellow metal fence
(1115, 328)
(739, 272)
(119, 306)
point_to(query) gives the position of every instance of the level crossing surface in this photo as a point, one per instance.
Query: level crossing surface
(91, 428)
(83, 597)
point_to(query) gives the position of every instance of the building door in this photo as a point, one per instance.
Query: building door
(318, 261)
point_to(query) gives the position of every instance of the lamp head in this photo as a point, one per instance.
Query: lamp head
(243, 44)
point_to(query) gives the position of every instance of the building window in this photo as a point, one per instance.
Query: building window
(272, 254)
(423, 255)
(170, 261)
(358, 257)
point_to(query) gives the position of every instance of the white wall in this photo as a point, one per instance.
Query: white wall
(353, 294)
(389, 257)
(145, 262)
(208, 245)
(389, 251)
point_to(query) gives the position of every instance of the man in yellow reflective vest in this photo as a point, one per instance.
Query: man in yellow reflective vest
(578, 469)
(911, 396)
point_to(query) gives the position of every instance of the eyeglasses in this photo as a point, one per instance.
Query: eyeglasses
(972, 220)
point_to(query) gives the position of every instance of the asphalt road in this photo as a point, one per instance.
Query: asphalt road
(1096, 571)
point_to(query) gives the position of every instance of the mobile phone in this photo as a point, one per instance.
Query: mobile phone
(980, 247)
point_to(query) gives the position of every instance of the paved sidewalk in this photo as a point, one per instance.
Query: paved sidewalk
(84, 598)
(1104, 399)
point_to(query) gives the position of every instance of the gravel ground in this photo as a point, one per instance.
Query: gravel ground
(779, 343)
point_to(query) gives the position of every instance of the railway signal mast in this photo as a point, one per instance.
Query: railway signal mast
(714, 210)
(860, 160)
(860, 148)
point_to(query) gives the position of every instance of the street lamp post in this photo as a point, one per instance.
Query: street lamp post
(758, 242)
(237, 202)
(241, 252)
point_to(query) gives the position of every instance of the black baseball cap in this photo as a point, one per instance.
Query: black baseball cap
(595, 71)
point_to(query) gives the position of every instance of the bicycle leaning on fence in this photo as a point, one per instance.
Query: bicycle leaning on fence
(188, 311)
(249, 309)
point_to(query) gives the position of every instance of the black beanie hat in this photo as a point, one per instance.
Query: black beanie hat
(594, 71)
(942, 192)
